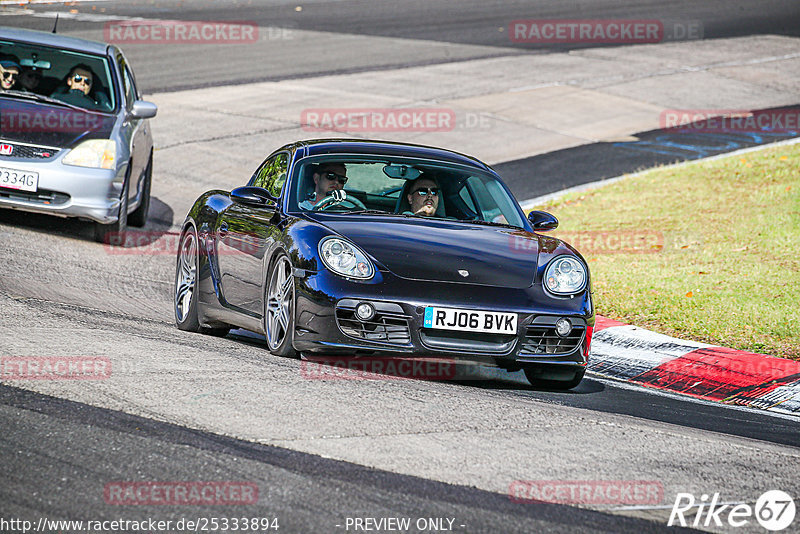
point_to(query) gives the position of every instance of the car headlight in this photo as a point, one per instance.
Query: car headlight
(345, 259)
(565, 275)
(97, 153)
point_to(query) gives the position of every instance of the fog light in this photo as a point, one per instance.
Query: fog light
(563, 327)
(365, 311)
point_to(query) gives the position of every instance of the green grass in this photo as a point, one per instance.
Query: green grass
(715, 249)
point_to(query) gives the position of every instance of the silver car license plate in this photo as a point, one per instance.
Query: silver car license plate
(17, 179)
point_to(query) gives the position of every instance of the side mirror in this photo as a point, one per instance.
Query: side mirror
(143, 110)
(541, 220)
(254, 196)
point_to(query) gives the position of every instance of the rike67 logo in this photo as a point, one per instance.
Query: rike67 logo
(774, 511)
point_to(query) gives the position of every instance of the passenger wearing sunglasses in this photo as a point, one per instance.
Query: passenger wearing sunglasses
(79, 90)
(423, 197)
(328, 177)
(9, 73)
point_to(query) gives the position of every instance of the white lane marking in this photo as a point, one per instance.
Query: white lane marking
(82, 17)
(785, 399)
(44, 2)
(628, 351)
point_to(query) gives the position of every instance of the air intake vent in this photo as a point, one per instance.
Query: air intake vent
(389, 325)
(543, 339)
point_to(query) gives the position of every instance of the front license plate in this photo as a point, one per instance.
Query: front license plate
(16, 179)
(470, 321)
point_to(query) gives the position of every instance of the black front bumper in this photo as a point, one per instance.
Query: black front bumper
(326, 323)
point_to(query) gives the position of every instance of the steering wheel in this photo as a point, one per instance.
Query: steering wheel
(331, 201)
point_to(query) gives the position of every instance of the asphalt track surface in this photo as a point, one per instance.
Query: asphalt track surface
(59, 453)
(475, 23)
(483, 25)
(62, 441)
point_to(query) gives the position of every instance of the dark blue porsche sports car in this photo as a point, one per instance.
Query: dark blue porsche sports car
(372, 249)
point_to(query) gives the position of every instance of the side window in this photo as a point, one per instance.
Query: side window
(128, 85)
(130, 89)
(467, 198)
(272, 174)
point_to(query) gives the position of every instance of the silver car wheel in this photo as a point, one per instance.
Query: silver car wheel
(187, 271)
(280, 295)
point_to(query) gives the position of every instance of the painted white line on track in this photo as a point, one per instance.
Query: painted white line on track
(84, 17)
(45, 2)
(537, 201)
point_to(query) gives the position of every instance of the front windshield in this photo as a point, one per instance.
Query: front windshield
(77, 79)
(406, 187)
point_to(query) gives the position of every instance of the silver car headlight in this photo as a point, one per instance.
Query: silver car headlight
(96, 153)
(345, 259)
(566, 275)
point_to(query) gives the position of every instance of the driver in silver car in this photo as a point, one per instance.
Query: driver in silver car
(78, 90)
(328, 177)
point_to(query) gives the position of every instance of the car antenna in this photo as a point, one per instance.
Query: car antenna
(55, 24)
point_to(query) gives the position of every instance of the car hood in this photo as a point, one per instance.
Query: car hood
(437, 250)
(38, 123)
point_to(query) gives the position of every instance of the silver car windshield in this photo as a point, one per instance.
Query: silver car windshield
(409, 188)
(75, 78)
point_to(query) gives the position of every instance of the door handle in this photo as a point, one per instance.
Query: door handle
(223, 229)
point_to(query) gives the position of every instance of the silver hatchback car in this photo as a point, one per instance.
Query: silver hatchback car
(74, 135)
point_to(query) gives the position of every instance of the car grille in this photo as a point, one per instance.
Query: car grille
(543, 339)
(19, 150)
(454, 341)
(389, 325)
(42, 196)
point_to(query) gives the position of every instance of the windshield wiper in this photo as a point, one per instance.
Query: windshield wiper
(489, 223)
(48, 99)
(377, 212)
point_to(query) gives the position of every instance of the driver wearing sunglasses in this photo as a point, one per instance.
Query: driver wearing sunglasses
(423, 197)
(79, 90)
(328, 177)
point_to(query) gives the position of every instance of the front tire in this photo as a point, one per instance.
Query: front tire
(279, 308)
(185, 294)
(138, 217)
(113, 234)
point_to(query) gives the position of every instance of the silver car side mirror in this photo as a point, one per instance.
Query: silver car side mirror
(143, 110)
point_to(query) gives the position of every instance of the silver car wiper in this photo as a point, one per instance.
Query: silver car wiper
(43, 98)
